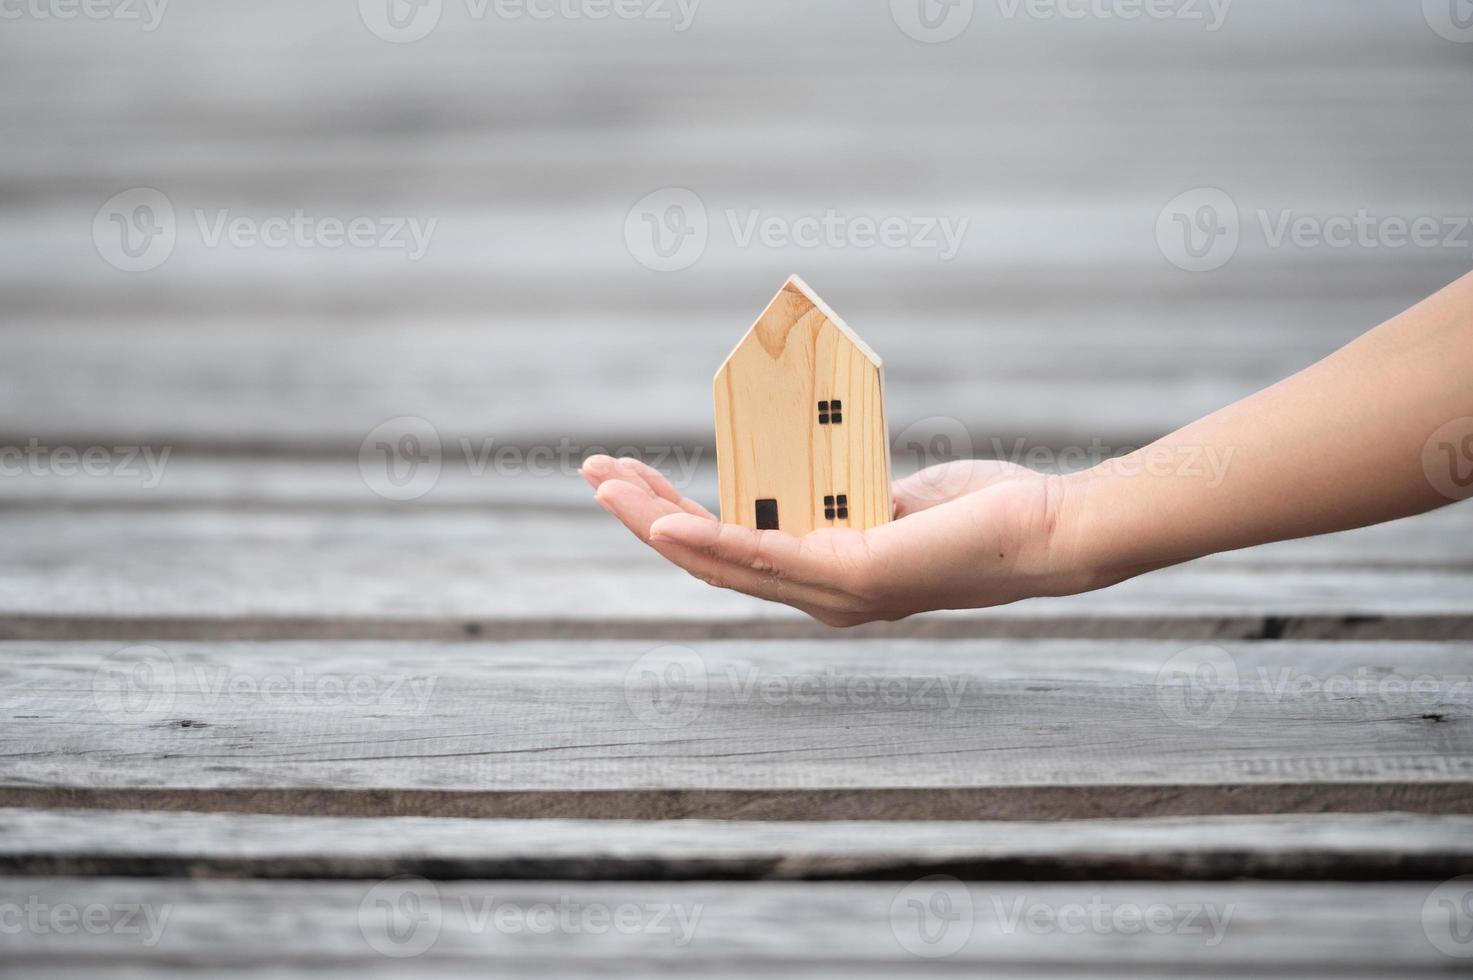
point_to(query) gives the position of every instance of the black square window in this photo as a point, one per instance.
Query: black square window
(828, 501)
(828, 513)
(767, 515)
(843, 500)
(835, 405)
(824, 406)
(843, 513)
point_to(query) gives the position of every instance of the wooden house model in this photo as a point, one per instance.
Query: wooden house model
(801, 442)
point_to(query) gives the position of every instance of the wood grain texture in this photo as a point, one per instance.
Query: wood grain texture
(772, 442)
(1342, 847)
(1060, 141)
(273, 556)
(286, 929)
(964, 730)
(1061, 367)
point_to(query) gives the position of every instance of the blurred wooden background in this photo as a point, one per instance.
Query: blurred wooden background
(267, 544)
(529, 141)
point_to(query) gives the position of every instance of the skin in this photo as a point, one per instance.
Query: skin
(1344, 443)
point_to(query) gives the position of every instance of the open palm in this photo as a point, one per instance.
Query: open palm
(967, 534)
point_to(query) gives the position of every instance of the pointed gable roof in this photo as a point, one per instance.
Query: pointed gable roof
(793, 302)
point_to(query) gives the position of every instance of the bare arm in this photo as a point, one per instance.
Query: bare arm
(1341, 444)
(1381, 429)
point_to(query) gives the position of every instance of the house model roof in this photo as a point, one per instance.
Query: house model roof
(789, 295)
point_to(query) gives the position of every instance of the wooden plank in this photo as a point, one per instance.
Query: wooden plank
(1345, 847)
(328, 571)
(1060, 259)
(994, 367)
(476, 928)
(1292, 82)
(740, 730)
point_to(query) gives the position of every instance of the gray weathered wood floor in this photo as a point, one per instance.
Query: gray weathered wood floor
(259, 720)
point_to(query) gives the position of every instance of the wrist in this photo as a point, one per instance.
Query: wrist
(1082, 554)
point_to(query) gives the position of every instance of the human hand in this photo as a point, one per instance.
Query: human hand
(967, 534)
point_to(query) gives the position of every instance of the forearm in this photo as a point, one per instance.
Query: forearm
(1339, 445)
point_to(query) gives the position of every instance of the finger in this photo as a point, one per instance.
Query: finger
(637, 510)
(816, 602)
(596, 469)
(661, 485)
(946, 481)
(636, 507)
(762, 551)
